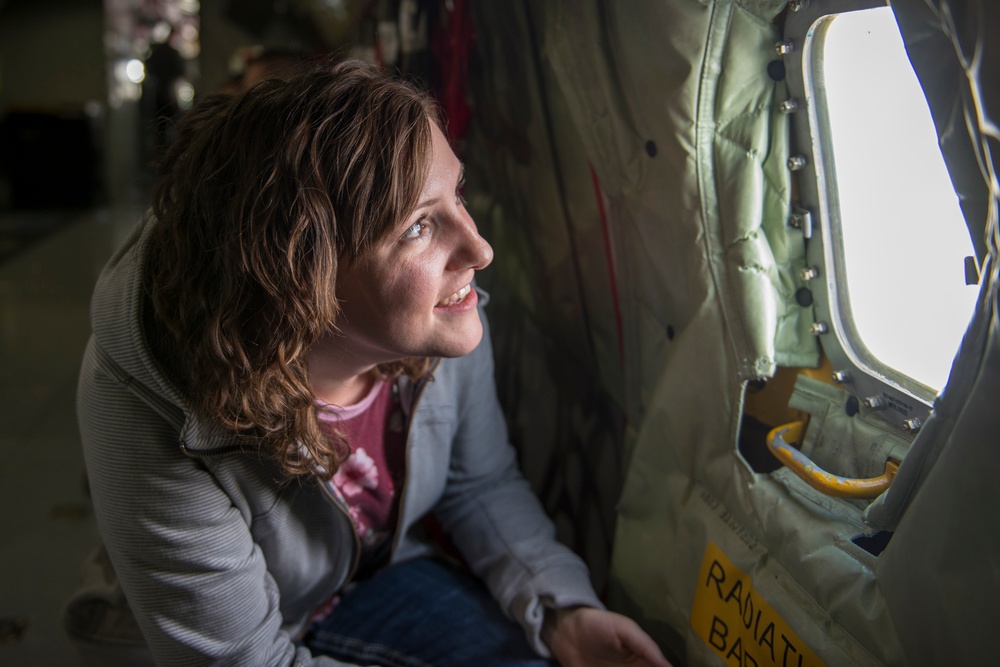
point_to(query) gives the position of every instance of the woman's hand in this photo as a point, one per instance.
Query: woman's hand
(588, 637)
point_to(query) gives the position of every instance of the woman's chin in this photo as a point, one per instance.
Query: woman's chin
(461, 345)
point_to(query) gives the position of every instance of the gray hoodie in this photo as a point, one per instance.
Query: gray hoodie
(207, 557)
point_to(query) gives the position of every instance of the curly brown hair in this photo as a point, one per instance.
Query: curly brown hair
(261, 196)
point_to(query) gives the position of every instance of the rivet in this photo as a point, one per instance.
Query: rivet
(776, 70)
(851, 407)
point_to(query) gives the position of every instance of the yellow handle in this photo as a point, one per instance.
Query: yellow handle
(816, 477)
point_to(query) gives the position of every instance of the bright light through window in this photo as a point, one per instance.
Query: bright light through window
(905, 239)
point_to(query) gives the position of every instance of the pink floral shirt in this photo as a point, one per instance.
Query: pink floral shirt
(369, 480)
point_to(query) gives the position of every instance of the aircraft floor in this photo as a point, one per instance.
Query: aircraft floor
(47, 525)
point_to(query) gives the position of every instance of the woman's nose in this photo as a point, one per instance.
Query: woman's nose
(472, 251)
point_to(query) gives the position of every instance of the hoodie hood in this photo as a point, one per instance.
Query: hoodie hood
(116, 316)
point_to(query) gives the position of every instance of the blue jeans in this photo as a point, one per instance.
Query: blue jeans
(422, 613)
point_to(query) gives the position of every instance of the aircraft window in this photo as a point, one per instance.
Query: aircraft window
(903, 241)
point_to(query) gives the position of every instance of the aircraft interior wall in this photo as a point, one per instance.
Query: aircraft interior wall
(663, 134)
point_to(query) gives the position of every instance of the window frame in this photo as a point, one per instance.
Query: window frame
(898, 398)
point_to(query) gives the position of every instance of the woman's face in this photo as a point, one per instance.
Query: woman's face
(411, 295)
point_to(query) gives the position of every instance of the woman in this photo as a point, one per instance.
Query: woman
(289, 374)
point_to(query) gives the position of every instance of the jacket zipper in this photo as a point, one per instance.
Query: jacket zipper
(422, 384)
(161, 406)
(167, 410)
(356, 556)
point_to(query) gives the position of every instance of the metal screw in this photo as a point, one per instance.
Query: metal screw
(809, 273)
(785, 47)
(790, 105)
(875, 403)
(817, 328)
(801, 218)
(911, 425)
(840, 377)
(797, 162)
(798, 5)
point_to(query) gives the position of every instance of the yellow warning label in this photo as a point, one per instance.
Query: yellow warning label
(738, 624)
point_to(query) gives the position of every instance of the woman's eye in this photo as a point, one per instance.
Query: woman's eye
(415, 230)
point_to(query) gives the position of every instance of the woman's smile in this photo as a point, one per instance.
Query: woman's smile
(458, 298)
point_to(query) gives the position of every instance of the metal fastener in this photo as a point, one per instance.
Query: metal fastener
(875, 403)
(791, 105)
(798, 5)
(797, 162)
(801, 218)
(818, 328)
(784, 47)
(911, 425)
(840, 377)
(809, 273)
